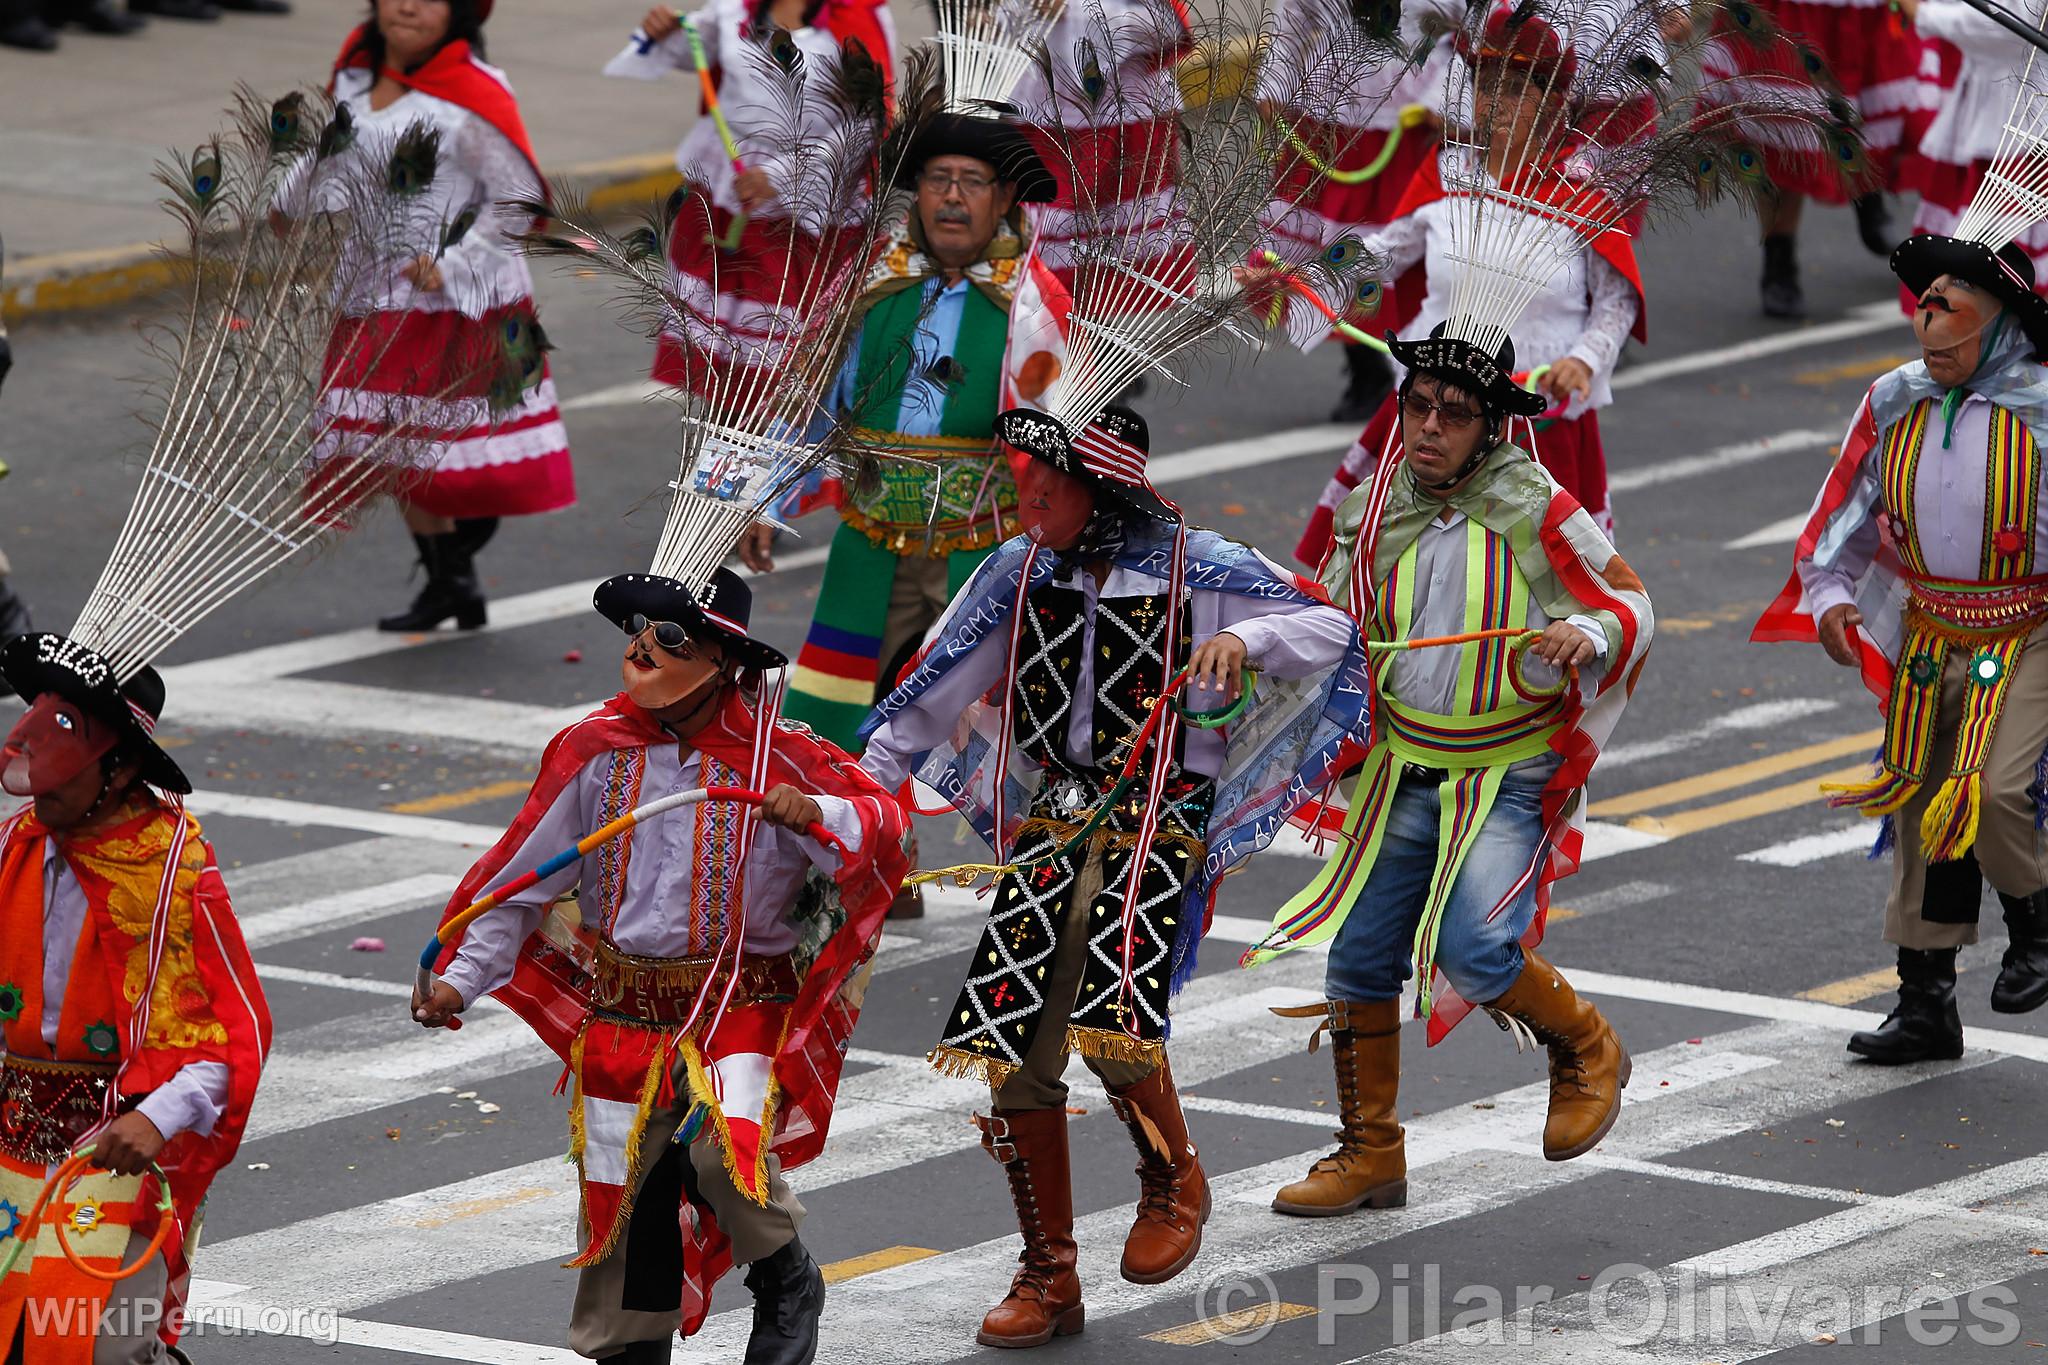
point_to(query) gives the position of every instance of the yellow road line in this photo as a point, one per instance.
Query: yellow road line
(1768, 802)
(477, 1208)
(1740, 775)
(1855, 369)
(1855, 989)
(468, 796)
(1221, 1326)
(838, 1272)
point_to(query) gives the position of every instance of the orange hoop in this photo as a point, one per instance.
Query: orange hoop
(53, 1202)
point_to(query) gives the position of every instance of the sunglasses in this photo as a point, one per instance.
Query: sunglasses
(668, 635)
(1450, 416)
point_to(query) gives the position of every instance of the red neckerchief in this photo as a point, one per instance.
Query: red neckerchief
(458, 76)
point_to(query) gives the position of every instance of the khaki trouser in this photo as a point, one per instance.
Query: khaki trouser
(917, 598)
(2009, 848)
(1038, 1084)
(634, 1294)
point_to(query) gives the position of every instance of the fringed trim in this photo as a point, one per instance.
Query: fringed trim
(1881, 794)
(706, 1100)
(1949, 827)
(649, 1084)
(993, 1072)
(1115, 1046)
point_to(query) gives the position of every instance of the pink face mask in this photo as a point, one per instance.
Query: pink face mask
(1951, 312)
(656, 679)
(50, 745)
(1054, 507)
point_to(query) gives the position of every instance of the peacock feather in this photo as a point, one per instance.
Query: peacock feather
(414, 159)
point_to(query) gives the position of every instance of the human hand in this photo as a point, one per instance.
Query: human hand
(1568, 378)
(757, 547)
(127, 1145)
(660, 22)
(1834, 631)
(753, 188)
(784, 805)
(425, 274)
(438, 1008)
(1563, 645)
(1216, 668)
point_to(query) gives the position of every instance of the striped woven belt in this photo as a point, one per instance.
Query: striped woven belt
(1427, 740)
(1971, 612)
(660, 990)
(936, 494)
(47, 1107)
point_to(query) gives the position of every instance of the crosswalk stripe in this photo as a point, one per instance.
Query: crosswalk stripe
(1714, 461)
(1784, 531)
(281, 811)
(1736, 775)
(325, 914)
(1763, 715)
(1862, 321)
(1812, 848)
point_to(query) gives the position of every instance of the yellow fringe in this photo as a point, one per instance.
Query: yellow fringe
(952, 1061)
(771, 1100)
(1863, 795)
(1116, 1046)
(648, 1086)
(1949, 827)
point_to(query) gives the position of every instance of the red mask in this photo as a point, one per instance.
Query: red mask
(50, 745)
(1053, 506)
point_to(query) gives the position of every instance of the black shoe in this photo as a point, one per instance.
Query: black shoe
(1874, 223)
(476, 532)
(200, 11)
(1782, 296)
(1924, 1026)
(1369, 379)
(789, 1296)
(107, 17)
(28, 32)
(2023, 976)
(451, 589)
(640, 1353)
(255, 6)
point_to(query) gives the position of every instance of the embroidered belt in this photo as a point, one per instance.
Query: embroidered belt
(1969, 612)
(47, 1107)
(661, 990)
(1427, 740)
(934, 494)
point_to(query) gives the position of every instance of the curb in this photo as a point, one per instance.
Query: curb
(62, 282)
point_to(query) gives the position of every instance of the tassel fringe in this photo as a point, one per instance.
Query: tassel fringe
(1116, 1047)
(1881, 794)
(1949, 828)
(972, 1066)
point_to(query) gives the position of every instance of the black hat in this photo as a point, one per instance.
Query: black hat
(1002, 145)
(721, 610)
(1489, 378)
(42, 662)
(1109, 453)
(2008, 274)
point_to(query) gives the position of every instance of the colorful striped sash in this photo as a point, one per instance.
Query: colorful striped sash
(934, 494)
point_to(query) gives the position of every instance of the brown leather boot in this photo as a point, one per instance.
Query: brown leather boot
(1174, 1202)
(1369, 1169)
(1045, 1297)
(1588, 1066)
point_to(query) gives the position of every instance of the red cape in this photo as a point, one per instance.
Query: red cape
(1613, 247)
(457, 75)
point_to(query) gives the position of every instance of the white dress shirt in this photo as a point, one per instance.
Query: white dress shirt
(654, 911)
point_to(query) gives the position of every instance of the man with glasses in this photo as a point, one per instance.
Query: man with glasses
(702, 980)
(1925, 566)
(1507, 634)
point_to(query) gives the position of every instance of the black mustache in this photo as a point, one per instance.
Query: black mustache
(1931, 301)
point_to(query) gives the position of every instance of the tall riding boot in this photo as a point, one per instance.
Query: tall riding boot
(1874, 223)
(789, 1296)
(476, 532)
(1589, 1068)
(451, 588)
(1045, 1296)
(2023, 976)
(1782, 296)
(1369, 1169)
(1368, 380)
(1173, 1202)
(1924, 1025)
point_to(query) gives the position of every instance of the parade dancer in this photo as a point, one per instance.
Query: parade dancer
(1925, 566)
(133, 1024)
(1077, 628)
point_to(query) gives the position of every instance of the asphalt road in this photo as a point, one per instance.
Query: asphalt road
(406, 1192)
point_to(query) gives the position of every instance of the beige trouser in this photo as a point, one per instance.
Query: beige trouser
(2009, 848)
(917, 598)
(1037, 1084)
(648, 1273)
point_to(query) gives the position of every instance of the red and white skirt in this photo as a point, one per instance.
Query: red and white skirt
(1874, 56)
(1116, 180)
(391, 371)
(1945, 190)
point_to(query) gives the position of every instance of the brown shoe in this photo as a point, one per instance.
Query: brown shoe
(1045, 1297)
(1174, 1199)
(1369, 1169)
(1589, 1068)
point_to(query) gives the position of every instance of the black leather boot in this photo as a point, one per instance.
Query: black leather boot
(1874, 223)
(106, 16)
(1782, 296)
(1923, 1026)
(640, 1353)
(1368, 381)
(451, 589)
(200, 11)
(476, 532)
(2023, 976)
(22, 25)
(789, 1296)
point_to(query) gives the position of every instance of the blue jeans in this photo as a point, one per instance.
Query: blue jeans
(1372, 954)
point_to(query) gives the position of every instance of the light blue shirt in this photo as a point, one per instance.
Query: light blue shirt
(937, 334)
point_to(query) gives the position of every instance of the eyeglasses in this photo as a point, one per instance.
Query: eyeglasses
(939, 182)
(1450, 416)
(668, 635)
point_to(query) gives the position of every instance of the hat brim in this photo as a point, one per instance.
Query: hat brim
(1043, 438)
(1003, 146)
(1925, 257)
(621, 598)
(1470, 369)
(30, 675)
